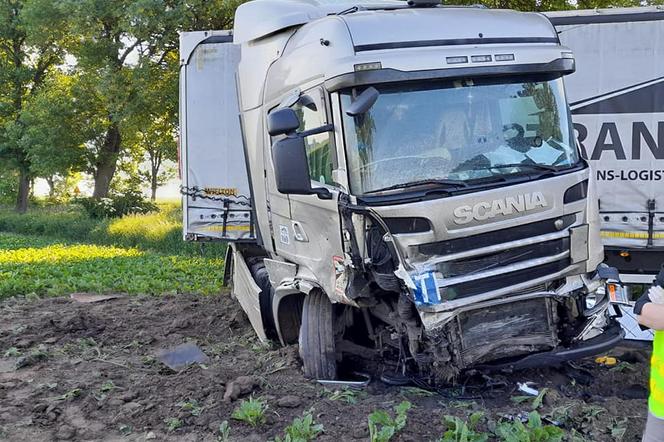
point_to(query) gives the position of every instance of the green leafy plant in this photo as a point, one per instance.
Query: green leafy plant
(71, 394)
(416, 391)
(12, 352)
(303, 429)
(172, 424)
(107, 386)
(532, 431)
(537, 400)
(130, 202)
(345, 394)
(251, 411)
(191, 406)
(458, 430)
(382, 426)
(618, 428)
(224, 432)
(622, 366)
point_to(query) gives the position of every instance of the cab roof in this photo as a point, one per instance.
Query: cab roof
(260, 18)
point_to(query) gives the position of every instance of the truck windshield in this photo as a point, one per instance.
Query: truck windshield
(458, 132)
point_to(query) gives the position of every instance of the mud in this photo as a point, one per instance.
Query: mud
(84, 372)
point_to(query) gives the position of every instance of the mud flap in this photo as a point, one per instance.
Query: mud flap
(247, 293)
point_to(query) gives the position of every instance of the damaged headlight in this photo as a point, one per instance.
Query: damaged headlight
(603, 288)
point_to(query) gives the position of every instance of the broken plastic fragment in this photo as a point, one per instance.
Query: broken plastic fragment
(88, 298)
(526, 388)
(182, 355)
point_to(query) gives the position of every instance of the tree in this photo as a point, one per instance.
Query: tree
(55, 131)
(31, 33)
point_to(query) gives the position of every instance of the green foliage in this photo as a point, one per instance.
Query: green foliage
(532, 431)
(160, 232)
(224, 432)
(251, 411)
(172, 424)
(71, 394)
(345, 394)
(461, 431)
(303, 429)
(107, 387)
(382, 426)
(417, 391)
(192, 406)
(28, 265)
(131, 202)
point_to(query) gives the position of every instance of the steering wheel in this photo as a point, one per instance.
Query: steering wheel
(517, 142)
(520, 130)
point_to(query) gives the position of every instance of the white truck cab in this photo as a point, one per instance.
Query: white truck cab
(399, 181)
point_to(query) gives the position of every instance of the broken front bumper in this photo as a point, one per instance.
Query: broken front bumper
(611, 337)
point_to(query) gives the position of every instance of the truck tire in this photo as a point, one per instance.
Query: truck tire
(317, 337)
(262, 278)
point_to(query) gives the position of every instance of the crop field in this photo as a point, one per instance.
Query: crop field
(35, 266)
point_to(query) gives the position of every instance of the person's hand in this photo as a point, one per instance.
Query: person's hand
(656, 294)
(643, 300)
(659, 280)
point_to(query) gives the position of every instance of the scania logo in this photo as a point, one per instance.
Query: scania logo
(505, 206)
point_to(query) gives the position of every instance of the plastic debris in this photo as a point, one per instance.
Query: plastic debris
(526, 388)
(182, 355)
(88, 298)
(357, 381)
(609, 361)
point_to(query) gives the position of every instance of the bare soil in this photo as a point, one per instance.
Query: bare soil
(72, 371)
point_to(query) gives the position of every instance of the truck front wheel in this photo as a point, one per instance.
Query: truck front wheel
(317, 337)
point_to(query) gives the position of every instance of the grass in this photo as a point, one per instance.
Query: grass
(159, 232)
(32, 265)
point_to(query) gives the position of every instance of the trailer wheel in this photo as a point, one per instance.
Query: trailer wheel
(262, 278)
(317, 337)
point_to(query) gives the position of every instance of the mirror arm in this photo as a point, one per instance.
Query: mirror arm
(322, 193)
(318, 130)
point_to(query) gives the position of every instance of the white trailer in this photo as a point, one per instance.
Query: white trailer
(617, 101)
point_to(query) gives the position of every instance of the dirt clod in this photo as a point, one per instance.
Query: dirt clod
(241, 386)
(289, 401)
(65, 432)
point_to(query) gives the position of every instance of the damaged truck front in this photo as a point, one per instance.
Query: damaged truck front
(410, 187)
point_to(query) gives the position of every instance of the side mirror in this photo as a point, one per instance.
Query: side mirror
(363, 102)
(291, 168)
(282, 121)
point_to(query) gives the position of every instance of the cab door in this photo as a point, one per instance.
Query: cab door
(311, 234)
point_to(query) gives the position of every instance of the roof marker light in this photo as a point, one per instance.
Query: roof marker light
(504, 57)
(456, 60)
(480, 58)
(368, 66)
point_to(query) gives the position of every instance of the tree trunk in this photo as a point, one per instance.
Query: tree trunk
(155, 164)
(153, 187)
(23, 191)
(107, 162)
(51, 186)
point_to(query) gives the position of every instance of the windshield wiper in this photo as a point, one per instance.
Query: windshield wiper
(534, 166)
(437, 182)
